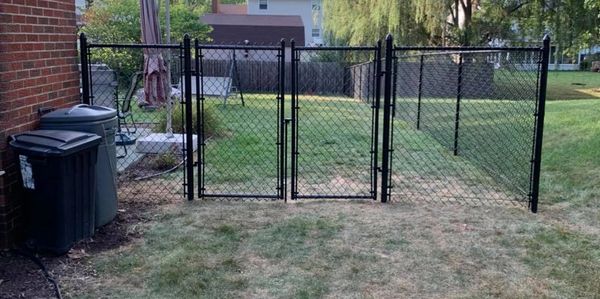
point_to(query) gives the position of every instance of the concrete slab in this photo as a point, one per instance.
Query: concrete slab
(157, 143)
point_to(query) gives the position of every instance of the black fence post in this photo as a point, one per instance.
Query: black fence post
(199, 117)
(282, 126)
(539, 125)
(85, 71)
(294, 161)
(387, 103)
(376, 106)
(458, 96)
(420, 92)
(189, 138)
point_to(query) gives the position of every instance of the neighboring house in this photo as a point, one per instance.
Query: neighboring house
(231, 29)
(310, 11)
(273, 19)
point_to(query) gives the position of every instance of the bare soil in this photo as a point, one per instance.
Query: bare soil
(21, 278)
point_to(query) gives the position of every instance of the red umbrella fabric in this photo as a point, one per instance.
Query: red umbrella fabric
(155, 70)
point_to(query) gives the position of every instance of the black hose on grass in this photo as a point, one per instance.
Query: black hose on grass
(28, 254)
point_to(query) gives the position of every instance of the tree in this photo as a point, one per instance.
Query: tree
(573, 23)
(118, 21)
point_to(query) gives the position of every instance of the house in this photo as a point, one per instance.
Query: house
(310, 11)
(270, 18)
(231, 29)
(38, 71)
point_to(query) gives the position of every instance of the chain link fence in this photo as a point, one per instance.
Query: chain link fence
(335, 122)
(436, 124)
(241, 121)
(464, 124)
(149, 160)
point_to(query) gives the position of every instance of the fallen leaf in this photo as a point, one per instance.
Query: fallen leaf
(77, 254)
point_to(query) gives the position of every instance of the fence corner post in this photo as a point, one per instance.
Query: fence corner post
(85, 83)
(189, 138)
(539, 124)
(387, 103)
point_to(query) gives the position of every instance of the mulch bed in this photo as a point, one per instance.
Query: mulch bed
(21, 278)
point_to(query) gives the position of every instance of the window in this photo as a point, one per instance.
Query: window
(262, 4)
(316, 32)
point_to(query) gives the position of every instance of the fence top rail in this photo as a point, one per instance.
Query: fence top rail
(462, 49)
(452, 53)
(238, 47)
(335, 48)
(136, 46)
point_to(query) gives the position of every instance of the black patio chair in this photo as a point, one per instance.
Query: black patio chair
(124, 113)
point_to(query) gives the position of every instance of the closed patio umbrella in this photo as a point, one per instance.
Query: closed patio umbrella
(156, 85)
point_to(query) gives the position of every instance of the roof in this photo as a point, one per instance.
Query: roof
(234, 9)
(252, 20)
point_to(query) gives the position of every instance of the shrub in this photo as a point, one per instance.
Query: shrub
(162, 162)
(595, 66)
(590, 63)
(211, 122)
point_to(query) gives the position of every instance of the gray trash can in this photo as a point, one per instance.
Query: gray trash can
(58, 170)
(101, 121)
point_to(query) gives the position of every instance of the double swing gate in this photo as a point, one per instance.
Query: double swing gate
(458, 124)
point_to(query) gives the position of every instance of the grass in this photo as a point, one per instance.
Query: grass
(563, 85)
(365, 249)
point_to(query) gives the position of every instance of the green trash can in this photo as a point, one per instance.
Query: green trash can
(101, 121)
(58, 170)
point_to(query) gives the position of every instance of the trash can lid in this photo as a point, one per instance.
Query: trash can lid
(79, 113)
(53, 142)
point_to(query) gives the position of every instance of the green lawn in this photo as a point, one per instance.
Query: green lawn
(365, 249)
(565, 85)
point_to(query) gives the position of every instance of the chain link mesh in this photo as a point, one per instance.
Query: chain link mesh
(149, 163)
(335, 123)
(464, 125)
(241, 122)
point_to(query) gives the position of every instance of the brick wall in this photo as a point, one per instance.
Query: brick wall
(38, 69)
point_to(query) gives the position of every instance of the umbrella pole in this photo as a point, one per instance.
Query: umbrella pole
(169, 128)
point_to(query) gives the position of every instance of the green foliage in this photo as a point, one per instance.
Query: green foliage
(185, 20)
(162, 162)
(212, 124)
(115, 21)
(586, 64)
(118, 21)
(574, 24)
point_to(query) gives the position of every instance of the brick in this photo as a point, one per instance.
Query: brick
(38, 68)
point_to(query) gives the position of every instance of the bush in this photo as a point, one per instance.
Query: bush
(595, 66)
(211, 122)
(585, 66)
(590, 63)
(162, 162)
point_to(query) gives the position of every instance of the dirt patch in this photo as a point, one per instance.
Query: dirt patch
(420, 189)
(21, 278)
(151, 165)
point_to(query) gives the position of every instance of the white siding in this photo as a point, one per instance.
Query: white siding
(302, 8)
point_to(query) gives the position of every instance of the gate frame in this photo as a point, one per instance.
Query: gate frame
(281, 121)
(375, 107)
